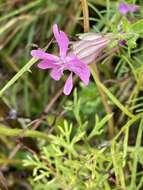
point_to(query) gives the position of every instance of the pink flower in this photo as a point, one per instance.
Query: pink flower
(65, 61)
(124, 8)
(122, 42)
(90, 46)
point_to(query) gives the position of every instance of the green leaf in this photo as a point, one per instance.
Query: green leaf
(98, 128)
(137, 27)
(125, 24)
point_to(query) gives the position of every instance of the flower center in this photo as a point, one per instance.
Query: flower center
(62, 60)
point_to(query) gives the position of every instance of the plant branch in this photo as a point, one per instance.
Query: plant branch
(16, 132)
(109, 94)
(100, 90)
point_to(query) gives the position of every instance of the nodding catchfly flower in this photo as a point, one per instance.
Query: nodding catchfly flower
(65, 61)
(91, 45)
(125, 8)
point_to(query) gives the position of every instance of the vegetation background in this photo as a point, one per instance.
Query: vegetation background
(49, 141)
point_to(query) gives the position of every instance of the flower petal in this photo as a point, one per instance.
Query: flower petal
(90, 58)
(79, 68)
(85, 45)
(56, 73)
(62, 40)
(68, 85)
(46, 64)
(43, 55)
(122, 42)
(123, 8)
(90, 36)
(134, 8)
(90, 49)
(56, 32)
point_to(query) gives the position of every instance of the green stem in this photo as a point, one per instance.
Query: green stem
(119, 174)
(10, 161)
(101, 92)
(108, 93)
(27, 133)
(128, 124)
(135, 156)
(18, 75)
(131, 66)
(22, 9)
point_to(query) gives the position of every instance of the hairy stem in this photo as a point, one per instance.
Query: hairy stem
(16, 132)
(109, 94)
(100, 90)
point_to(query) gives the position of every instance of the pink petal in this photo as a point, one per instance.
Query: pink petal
(62, 40)
(56, 32)
(90, 58)
(79, 68)
(64, 44)
(42, 55)
(90, 36)
(56, 73)
(46, 65)
(68, 85)
(134, 8)
(90, 50)
(84, 46)
(123, 8)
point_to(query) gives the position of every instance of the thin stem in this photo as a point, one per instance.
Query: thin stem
(135, 156)
(22, 9)
(113, 153)
(3, 181)
(108, 93)
(18, 75)
(106, 106)
(21, 72)
(85, 15)
(100, 90)
(127, 125)
(28, 133)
